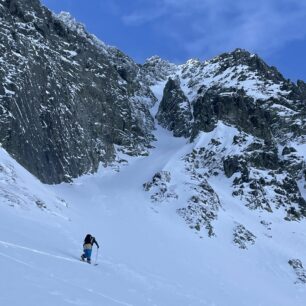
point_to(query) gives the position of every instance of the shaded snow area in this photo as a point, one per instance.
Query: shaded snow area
(149, 255)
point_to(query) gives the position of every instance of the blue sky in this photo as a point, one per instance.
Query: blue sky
(181, 29)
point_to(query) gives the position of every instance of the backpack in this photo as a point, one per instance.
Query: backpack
(88, 239)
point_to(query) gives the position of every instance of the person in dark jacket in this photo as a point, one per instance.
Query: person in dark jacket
(89, 241)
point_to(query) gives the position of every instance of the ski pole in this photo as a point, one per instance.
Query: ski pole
(96, 260)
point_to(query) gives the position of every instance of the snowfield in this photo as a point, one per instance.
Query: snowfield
(148, 255)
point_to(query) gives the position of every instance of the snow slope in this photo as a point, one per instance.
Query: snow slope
(148, 255)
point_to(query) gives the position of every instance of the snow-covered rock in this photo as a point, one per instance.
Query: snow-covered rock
(174, 111)
(298, 268)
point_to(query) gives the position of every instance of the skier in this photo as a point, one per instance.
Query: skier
(87, 247)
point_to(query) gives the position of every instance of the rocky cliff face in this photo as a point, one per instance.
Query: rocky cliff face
(174, 110)
(66, 98)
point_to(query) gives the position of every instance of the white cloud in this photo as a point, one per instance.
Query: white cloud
(262, 28)
(206, 27)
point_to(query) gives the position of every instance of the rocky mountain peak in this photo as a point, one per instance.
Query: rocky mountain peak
(193, 62)
(251, 62)
(71, 22)
(156, 60)
(157, 69)
(73, 25)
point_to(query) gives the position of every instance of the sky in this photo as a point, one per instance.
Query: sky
(178, 30)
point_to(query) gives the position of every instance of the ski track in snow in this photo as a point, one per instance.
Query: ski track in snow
(52, 276)
(7, 244)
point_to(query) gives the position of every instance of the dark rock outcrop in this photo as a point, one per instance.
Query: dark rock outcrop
(160, 187)
(231, 165)
(299, 270)
(243, 237)
(202, 208)
(232, 106)
(174, 111)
